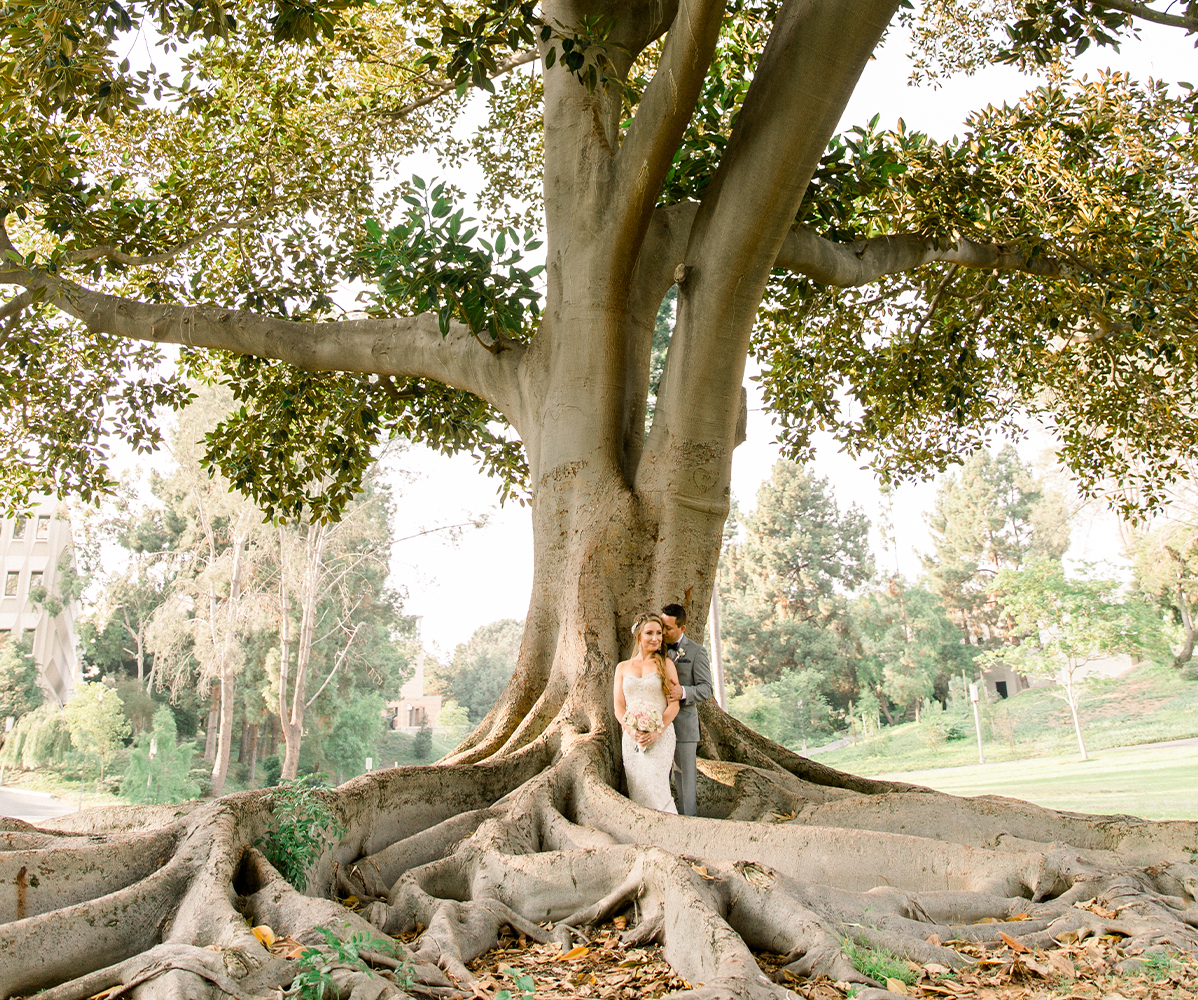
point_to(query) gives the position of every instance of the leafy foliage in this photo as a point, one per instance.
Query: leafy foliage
(40, 738)
(304, 827)
(920, 368)
(482, 666)
(436, 262)
(315, 966)
(97, 723)
(19, 689)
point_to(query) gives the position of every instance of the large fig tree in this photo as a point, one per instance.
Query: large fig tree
(909, 295)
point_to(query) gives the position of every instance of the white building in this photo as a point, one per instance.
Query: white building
(414, 706)
(34, 551)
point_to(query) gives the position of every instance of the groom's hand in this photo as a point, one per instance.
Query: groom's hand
(676, 692)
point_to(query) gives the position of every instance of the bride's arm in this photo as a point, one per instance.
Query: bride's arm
(672, 707)
(617, 697)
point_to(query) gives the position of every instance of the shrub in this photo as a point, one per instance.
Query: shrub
(39, 739)
(304, 824)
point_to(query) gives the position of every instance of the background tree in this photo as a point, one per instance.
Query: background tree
(909, 648)
(993, 516)
(903, 294)
(216, 600)
(482, 667)
(1166, 567)
(116, 634)
(1065, 624)
(783, 589)
(20, 691)
(335, 573)
(96, 720)
(352, 735)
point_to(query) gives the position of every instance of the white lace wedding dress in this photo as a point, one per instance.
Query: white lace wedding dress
(648, 771)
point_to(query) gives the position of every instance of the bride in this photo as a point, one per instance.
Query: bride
(646, 715)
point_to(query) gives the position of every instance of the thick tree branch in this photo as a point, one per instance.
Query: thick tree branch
(1146, 13)
(443, 87)
(401, 346)
(666, 108)
(846, 265)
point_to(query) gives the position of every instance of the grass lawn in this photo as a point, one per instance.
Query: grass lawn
(1146, 705)
(1153, 782)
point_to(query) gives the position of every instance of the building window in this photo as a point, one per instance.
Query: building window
(35, 580)
(18, 528)
(10, 583)
(43, 527)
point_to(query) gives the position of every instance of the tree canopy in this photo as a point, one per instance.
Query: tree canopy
(927, 292)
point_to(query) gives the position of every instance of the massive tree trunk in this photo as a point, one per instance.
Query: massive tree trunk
(525, 823)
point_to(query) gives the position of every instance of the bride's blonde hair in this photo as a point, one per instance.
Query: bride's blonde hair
(659, 658)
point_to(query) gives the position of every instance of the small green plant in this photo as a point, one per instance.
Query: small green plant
(878, 963)
(525, 987)
(314, 967)
(305, 825)
(1159, 963)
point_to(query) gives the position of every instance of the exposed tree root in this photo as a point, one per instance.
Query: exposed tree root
(792, 859)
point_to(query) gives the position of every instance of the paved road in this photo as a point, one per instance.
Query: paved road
(32, 806)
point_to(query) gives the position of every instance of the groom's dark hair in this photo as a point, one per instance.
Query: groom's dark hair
(675, 611)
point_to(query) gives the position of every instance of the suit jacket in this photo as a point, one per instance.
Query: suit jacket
(694, 674)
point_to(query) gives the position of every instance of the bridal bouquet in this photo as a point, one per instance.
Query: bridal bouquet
(643, 719)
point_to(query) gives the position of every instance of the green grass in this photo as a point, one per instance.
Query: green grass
(1156, 783)
(1148, 704)
(1031, 750)
(878, 963)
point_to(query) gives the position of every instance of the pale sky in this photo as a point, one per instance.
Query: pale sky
(487, 575)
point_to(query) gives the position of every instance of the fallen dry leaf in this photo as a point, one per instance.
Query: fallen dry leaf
(575, 953)
(898, 986)
(1061, 964)
(264, 934)
(1014, 945)
(934, 939)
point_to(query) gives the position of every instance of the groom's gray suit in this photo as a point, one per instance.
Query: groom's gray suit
(694, 675)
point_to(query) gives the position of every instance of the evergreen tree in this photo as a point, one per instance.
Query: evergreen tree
(783, 588)
(993, 515)
(353, 734)
(423, 744)
(159, 765)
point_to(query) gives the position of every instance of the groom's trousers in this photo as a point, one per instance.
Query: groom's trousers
(684, 780)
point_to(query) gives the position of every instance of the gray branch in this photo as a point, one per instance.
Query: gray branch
(847, 265)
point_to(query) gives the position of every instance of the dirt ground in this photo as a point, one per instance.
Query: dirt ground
(605, 970)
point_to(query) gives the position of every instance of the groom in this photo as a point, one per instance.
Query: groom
(694, 686)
